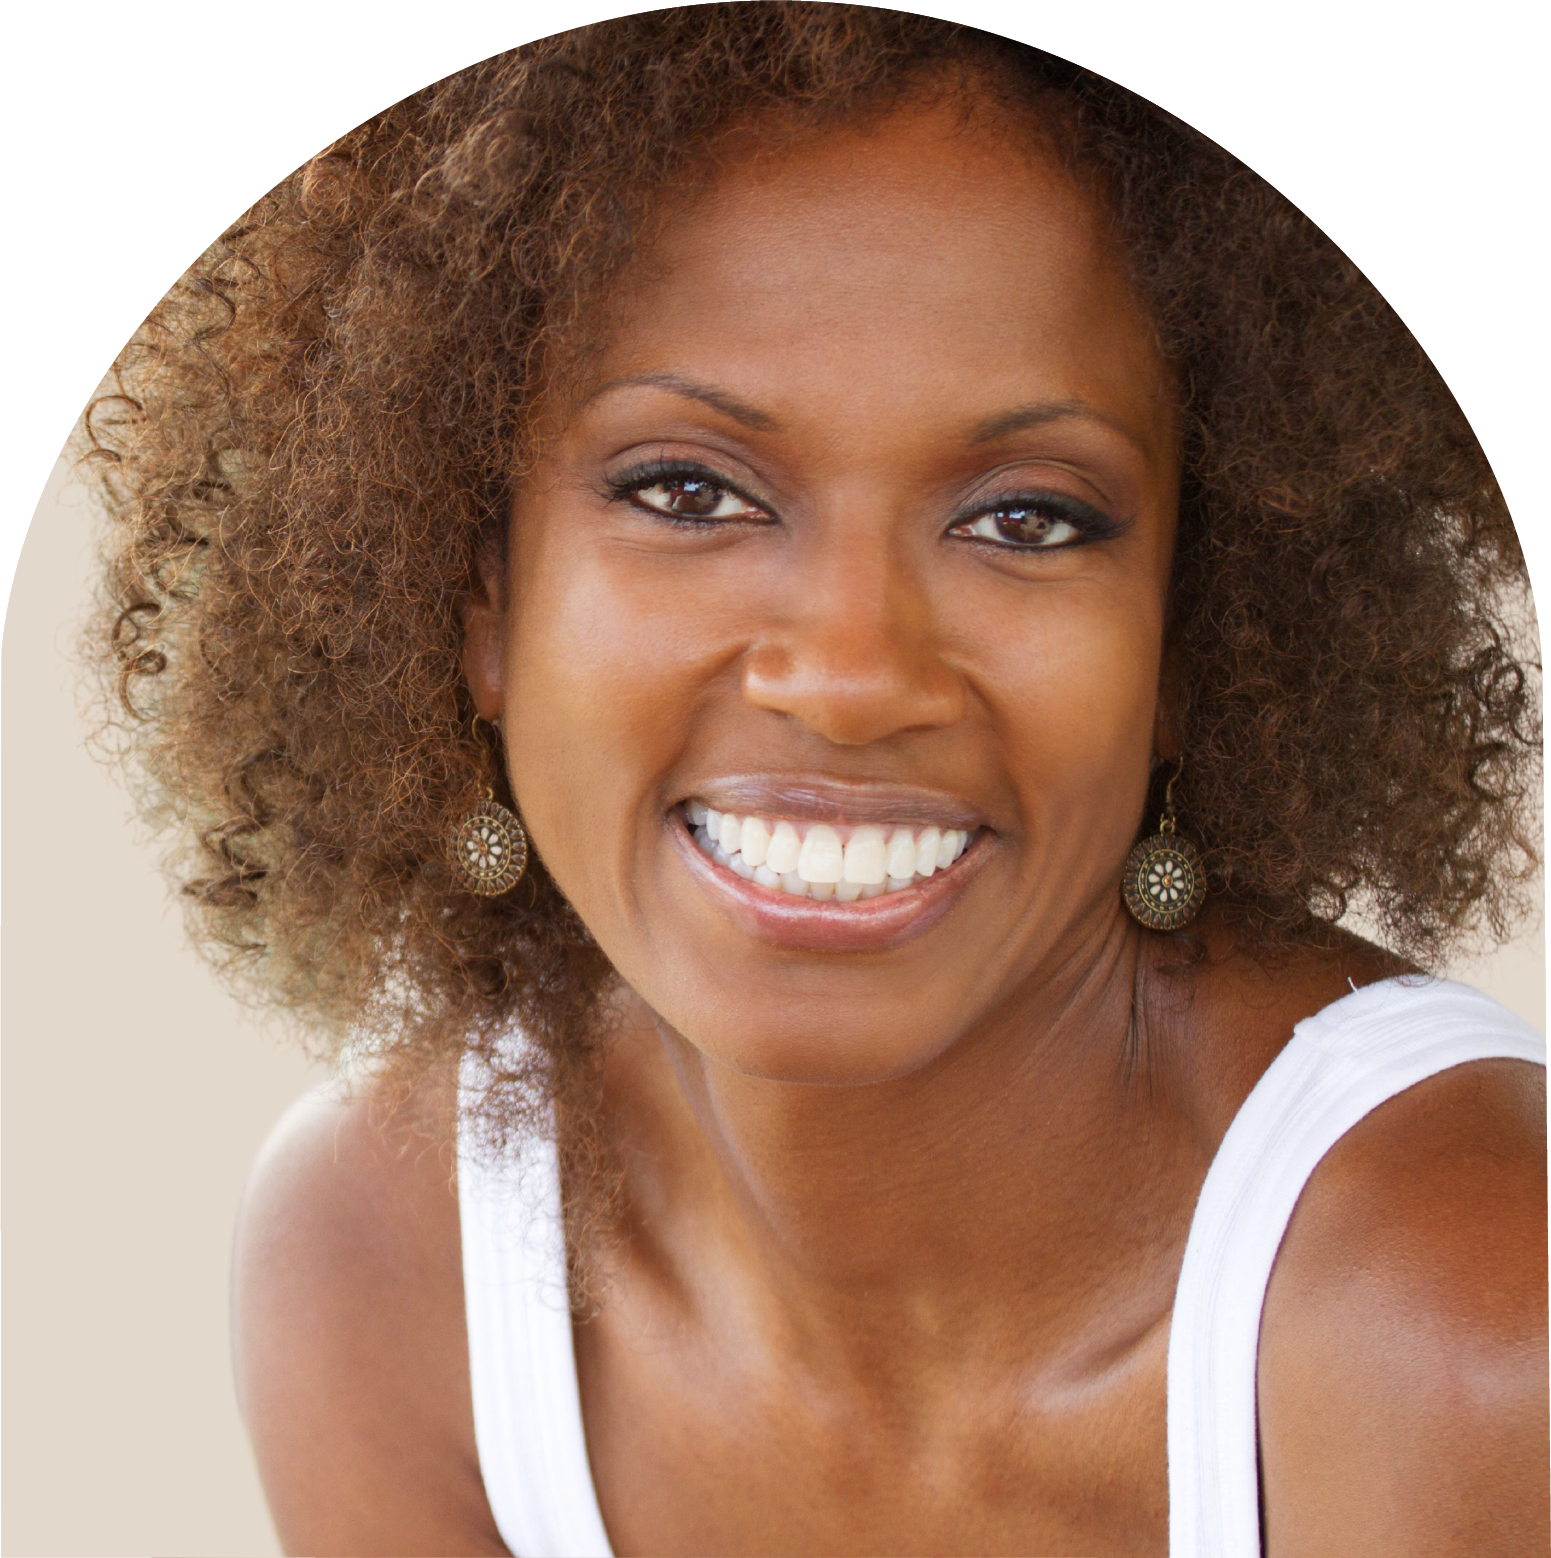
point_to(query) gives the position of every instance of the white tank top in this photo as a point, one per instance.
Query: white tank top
(1339, 1064)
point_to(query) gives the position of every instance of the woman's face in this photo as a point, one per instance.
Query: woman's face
(861, 528)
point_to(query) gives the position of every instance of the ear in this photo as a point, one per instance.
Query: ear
(1171, 687)
(484, 635)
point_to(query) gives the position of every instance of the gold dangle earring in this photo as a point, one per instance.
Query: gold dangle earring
(488, 848)
(1164, 884)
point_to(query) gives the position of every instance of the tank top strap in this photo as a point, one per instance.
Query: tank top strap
(1339, 1065)
(522, 1361)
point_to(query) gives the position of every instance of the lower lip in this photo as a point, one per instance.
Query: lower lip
(823, 925)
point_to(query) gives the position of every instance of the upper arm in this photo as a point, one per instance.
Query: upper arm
(349, 1338)
(1403, 1381)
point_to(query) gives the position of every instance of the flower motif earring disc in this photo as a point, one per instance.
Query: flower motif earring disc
(1164, 885)
(489, 849)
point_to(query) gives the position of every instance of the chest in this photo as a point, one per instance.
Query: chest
(697, 1448)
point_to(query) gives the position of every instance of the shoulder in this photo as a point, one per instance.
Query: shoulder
(1403, 1385)
(349, 1342)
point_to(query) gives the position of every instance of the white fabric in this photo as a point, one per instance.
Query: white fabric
(1339, 1065)
(522, 1364)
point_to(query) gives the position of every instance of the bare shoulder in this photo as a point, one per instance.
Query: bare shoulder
(350, 1351)
(1403, 1376)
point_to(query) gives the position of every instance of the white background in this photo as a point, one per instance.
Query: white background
(1411, 132)
(133, 134)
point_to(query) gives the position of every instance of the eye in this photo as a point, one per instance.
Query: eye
(1020, 527)
(691, 497)
(684, 493)
(1043, 523)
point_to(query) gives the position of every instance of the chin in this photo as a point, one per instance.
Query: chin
(839, 1052)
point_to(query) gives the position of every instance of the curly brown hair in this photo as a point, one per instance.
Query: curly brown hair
(306, 443)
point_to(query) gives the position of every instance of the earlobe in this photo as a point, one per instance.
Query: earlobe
(1165, 737)
(1165, 734)
(484, 638)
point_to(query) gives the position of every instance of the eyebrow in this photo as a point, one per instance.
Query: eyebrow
(1023, 417)
(1015, 421)
(709, 395)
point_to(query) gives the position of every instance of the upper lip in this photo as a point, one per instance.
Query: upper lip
(818, 798)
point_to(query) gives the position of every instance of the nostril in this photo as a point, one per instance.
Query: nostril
(853, 698)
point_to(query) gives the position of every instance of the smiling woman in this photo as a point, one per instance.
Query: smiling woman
(921, 591)
(869, 524)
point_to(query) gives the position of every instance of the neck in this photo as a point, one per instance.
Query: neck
(1025, 1173)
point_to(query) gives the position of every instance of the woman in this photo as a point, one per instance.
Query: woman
(960, 585)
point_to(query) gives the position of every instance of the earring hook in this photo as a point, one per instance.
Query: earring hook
(475, 722)
(1166, 823)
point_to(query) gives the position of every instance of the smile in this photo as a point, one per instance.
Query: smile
(808, 859)
(811, 864)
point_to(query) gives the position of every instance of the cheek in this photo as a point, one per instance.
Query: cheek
(1071, 678)
(603, 673)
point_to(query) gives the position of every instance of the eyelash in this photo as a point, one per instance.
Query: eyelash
(1089, 523)
(624, 487)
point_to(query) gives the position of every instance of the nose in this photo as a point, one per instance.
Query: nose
(856, 655)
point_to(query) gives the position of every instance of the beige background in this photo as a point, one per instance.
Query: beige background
(136, 1095)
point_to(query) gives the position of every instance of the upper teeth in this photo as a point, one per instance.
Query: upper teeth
(815, 860)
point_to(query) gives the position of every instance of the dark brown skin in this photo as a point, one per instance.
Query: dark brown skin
(924, 1308)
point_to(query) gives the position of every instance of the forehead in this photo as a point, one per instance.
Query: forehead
(921, 253)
